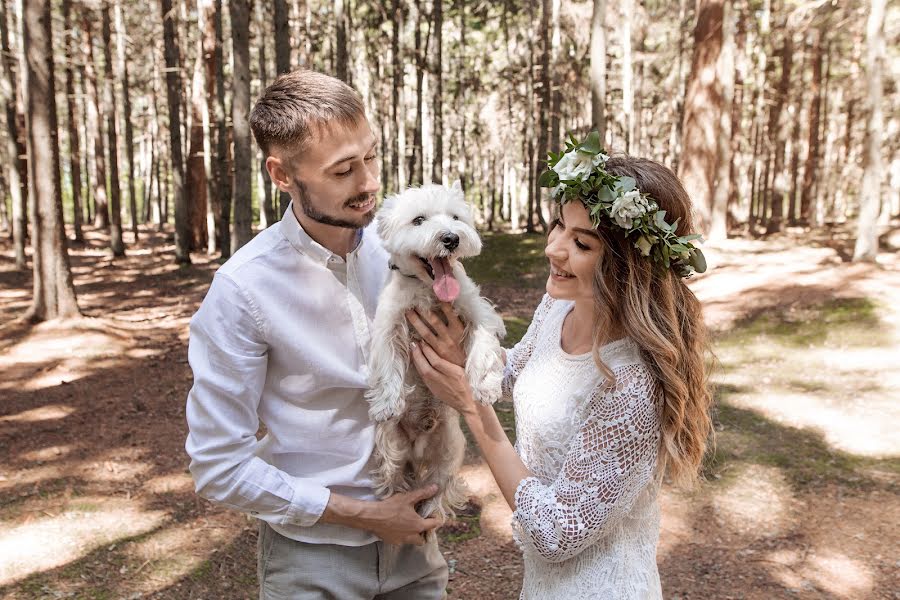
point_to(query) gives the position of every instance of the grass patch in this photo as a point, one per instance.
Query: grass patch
(515, 329)
(508, 259)
(837, 323)
(465, 526)
(805, 458)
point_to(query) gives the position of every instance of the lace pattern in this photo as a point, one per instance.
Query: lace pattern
(587, 521)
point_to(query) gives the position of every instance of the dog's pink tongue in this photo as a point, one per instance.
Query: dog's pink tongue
(446, 287)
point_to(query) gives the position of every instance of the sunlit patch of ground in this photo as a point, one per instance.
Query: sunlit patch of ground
(74, 531)
(800, 499)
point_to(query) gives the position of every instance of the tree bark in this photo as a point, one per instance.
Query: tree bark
(267, 210)
(282, 38)
(703, 106)
(437, 169)
(223, 166)
(543, 108)
(810, 171)
(341, 60)
(417, 156)
(627, 72)
(778, 129)
(866, 248)
(121, 43)
(718, 229)
(95, 118)
(396, 87)
(195, 167)
(240, 111)
(555, 92)
(206, 22)
(598, 68)
(74, 141)
(282, 65)
(109, 99)
(17, 175)
(173, 95)
(54, 294)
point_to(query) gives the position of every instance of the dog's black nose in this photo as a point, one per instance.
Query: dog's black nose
(450, 240)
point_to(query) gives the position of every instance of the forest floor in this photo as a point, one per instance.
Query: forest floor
(800, 499)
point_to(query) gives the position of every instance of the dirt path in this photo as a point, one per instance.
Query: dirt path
(801, 501)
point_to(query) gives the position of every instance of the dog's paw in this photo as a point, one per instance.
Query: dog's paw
(382, 407)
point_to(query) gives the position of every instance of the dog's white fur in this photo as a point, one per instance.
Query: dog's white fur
(418, 440)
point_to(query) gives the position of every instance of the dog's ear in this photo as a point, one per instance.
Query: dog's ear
(383, 219)
(456, 187)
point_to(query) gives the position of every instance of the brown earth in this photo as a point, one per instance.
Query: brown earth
(96, 500)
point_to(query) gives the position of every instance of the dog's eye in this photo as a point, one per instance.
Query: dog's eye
(418, 220)
(455, 218)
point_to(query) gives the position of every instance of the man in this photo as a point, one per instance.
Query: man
(282, 338)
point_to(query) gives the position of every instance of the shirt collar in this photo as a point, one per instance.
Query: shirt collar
(303, 243)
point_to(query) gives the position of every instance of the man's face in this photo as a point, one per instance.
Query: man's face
(335, 179)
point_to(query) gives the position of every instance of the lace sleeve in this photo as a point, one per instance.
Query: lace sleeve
(612, 459)
(518, 355)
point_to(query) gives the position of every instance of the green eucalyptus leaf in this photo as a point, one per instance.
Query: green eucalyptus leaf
(592, 144)
(698, 261)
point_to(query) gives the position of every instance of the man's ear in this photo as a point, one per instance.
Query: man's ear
(278, 174)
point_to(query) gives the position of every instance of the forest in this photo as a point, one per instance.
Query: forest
(129, 174)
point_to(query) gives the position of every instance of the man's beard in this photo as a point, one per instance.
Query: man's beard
(316, 215)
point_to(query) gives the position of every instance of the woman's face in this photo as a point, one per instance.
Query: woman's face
(573, 248)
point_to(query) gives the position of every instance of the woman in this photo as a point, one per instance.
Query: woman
(609, 381)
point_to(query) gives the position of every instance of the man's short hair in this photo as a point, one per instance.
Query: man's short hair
(292, 109)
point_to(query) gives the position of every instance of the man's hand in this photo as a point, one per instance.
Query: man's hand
(394, 520)
(444, 338)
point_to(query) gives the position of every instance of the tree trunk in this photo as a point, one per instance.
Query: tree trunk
(74, 141)
(598, 69)
(121, 39)
(173, 94)
(627, 73)
(703, 106)
(207, 47)
(866, 248)
(416, 157)
(437, 170)
(195, 168)
(223, 167)
(282, 65)
(555, 92)
(109, 99)
(282, 38)
(396, 87)
(778, 128)
(267, 210)
(341, 60)
(95, 117)
(718, 229)
(54, 294)
(240, 111)
(543, 109)
(17, 175)
(461, 96)
(810, 171)
(85, 135)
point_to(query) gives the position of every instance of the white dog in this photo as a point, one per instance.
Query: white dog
(418, 440)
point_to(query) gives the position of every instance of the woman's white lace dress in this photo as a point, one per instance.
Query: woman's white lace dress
(588, 520)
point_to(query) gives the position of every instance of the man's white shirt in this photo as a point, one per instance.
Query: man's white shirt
(283, 337)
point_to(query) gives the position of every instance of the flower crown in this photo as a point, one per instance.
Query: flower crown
(580, 173)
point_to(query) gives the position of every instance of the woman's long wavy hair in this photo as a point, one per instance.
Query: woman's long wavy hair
(661, 314)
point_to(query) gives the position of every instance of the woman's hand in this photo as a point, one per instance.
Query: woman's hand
(447, 381)
(444, 339)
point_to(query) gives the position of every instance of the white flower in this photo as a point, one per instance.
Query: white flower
(575, 163)
(557, 190)
(628, 207)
